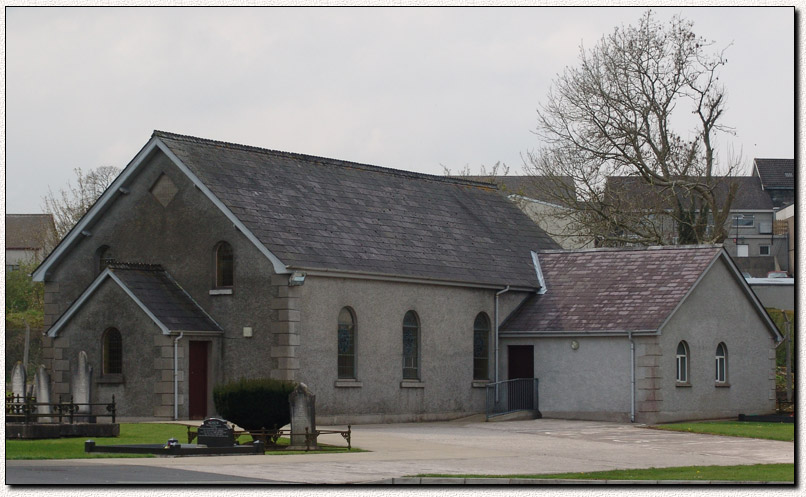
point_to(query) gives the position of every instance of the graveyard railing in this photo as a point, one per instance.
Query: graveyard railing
(26, 410)
(270, 437)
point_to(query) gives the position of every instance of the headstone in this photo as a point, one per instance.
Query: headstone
(303, 415)
(215, 432)
(42, 394)
(80, 387)
(18, 381)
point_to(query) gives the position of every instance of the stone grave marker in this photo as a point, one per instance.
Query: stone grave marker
(42, 394)
(215, 432)
(303, 415)
(18, 381)
(81, 386)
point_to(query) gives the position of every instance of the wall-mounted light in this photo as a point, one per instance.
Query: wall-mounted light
(574, 345)
(297, 278)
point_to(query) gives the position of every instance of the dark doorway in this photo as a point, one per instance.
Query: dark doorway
(197, 394)
(520, 364)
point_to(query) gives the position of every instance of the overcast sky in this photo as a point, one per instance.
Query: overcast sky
(406, 88)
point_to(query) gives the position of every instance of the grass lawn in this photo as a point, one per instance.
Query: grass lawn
(130, 433)
(770, 431)
(757, 472)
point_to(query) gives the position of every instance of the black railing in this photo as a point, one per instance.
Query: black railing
(21, 409)
(512, 395)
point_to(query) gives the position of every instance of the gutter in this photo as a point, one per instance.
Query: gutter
(176, 375)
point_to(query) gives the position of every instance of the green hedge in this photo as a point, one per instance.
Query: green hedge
(255, 404)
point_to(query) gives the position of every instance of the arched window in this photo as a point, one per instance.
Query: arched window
(224, 264)
(721, 363)
(411, 346)
(346, 343)
(103, 258)
(112, 352)
(481, 347)
(682, 362)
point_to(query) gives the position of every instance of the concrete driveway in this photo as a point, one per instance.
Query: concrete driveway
(463, 447)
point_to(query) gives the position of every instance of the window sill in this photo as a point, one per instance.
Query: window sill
(722, 384)
(348, 384)
(680, 384)
(221, 291)
(480, 383)
(110, 379)
(412, 384)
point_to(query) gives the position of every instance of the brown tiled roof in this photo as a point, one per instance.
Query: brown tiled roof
(319, 213)
(608, 290)
(28, 231)
(635, 190)
(776, 173)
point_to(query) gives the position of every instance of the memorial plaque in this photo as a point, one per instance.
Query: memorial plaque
(215, 432)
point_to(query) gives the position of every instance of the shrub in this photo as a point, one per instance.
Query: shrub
(254, 404)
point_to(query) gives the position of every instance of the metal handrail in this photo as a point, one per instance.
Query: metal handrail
(508, 396)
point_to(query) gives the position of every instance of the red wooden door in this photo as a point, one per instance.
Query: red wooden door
(197, 392)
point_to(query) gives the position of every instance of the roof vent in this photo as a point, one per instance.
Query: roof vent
(540, 279)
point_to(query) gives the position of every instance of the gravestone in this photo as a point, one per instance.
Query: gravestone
(80, 387)
(42, 394)
(215, 432)
(18, 381)
(303, 415)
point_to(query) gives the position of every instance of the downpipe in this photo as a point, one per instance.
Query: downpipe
(176, 375)
(632, 377)
(496, 340)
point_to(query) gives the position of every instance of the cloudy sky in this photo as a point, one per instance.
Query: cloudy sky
(407, 88)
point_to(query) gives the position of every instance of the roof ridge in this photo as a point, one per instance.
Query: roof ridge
(325, 160)
(643, 248)
(140, 266)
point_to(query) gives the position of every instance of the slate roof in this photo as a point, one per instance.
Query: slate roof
(28, 231)
(749, 195)
(608, 290)
(318, 213)
(776, 173)
(534, 187)
(163, 297)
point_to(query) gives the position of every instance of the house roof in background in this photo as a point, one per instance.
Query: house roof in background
(153, 289)
(318, 213)
(29, 231)
(775, 173)
(611, 290)
(636, 191)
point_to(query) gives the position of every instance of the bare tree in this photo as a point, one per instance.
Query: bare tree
(615, 115)
(73, 201)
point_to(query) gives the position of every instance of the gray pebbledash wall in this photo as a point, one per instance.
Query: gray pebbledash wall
(445, 388)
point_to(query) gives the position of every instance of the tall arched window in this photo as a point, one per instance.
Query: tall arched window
(481, 347)
(103, 258)
(682, 362)
(411, 346)
(346, 343)
(112, 352)
(721, 363)
(224, 265)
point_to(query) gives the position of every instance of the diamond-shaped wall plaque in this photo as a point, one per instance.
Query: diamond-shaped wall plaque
(164, 190)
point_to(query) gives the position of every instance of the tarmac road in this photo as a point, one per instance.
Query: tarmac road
(457, 447)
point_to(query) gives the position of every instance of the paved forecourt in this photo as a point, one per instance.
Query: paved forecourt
(462, 447)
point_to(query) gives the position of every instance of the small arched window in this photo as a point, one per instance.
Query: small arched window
(411, 346)
(346, 344)
(112, 352)
(682, 362)
(224, 265)
(103, 258)
(481, 347)
(721, 363)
